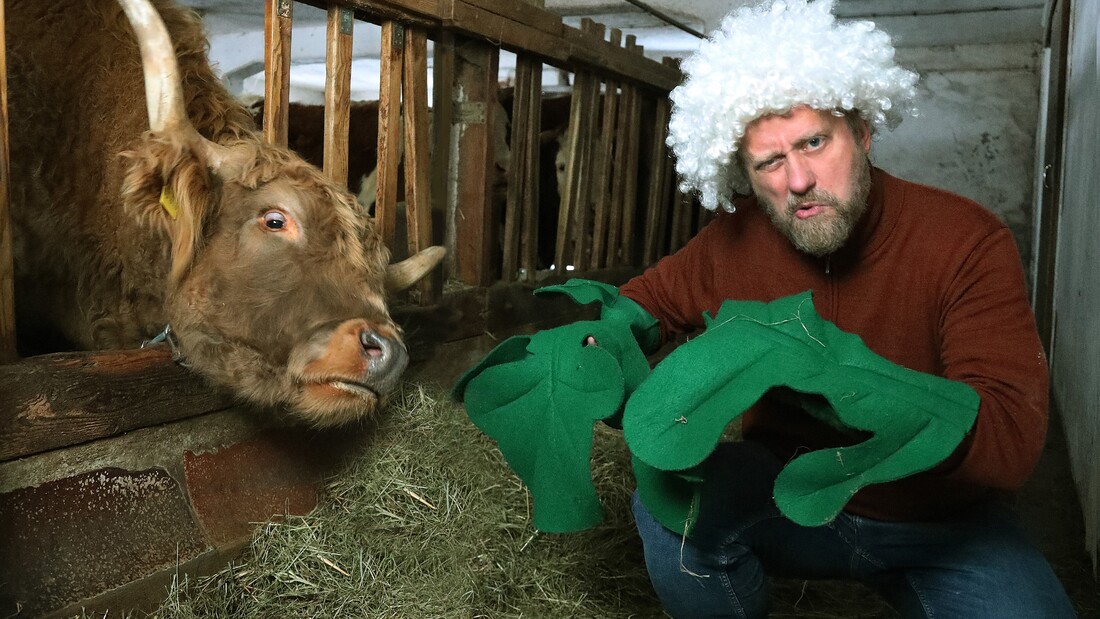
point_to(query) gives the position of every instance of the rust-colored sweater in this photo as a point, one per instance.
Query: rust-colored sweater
(930, 281)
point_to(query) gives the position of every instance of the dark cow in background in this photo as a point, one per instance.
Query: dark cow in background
(271, 276)
(305, 136)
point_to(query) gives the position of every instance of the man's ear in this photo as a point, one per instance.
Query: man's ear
(865, 136)
(166, 185)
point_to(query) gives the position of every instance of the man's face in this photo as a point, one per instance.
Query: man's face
(811, 174)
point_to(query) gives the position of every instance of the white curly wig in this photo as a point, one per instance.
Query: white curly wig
(768, 59)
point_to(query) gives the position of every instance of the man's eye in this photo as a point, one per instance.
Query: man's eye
(769, 164)
(815, 142)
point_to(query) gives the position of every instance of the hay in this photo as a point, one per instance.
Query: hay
(430, 522)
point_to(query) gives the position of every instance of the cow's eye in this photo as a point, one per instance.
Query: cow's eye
(274, 220)
(280, 223)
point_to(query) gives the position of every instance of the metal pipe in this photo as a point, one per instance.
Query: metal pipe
(667, 18)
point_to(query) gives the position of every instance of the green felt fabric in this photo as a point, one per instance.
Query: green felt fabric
(676, 418)
(540, 395)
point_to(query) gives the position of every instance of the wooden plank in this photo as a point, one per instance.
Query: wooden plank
(566, 188)
(529, 241)
(629, 172)
(584, 188)
(657, 197)
(443, 75)
(278, 17)
(7, 270)
(520, 29)
(389, 130)
(587, 89)
(506, 33)
(338, 43)
(418, 199)
(517, 171)
(423, 13)
(62, 399)
(603, 165)
(523, 13)
(475, 89)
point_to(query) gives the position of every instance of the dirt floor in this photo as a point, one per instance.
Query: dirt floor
(1053, 516)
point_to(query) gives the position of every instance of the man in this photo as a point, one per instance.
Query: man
(782, 102)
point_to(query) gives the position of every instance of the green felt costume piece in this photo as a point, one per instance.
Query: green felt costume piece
(540, 395)
(676, 418)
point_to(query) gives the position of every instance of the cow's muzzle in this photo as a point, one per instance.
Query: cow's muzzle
(355, 360)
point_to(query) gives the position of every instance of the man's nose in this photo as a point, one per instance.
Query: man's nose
(800, 176)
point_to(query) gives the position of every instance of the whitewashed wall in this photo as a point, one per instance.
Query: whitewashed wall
(1075, 358)
(975, 136)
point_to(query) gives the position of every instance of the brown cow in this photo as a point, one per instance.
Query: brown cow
(270, 275)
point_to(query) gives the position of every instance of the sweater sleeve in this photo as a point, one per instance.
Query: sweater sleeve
(990, 342)
(674, 289)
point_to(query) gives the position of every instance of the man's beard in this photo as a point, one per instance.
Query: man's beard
(827, 232)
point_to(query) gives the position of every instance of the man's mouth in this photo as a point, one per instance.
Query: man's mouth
(809, 209)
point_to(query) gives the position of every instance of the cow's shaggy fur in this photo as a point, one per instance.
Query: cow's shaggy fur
(100, 264)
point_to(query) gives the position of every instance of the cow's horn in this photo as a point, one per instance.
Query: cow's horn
(163, 87)
(401, 275)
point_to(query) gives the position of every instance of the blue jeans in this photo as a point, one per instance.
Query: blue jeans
(979, 565)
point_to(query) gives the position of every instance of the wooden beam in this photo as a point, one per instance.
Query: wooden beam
(520, 27)
(338, 44)
(389, 130)
(476, 95)
(7, 269)
(418, 199)
(278, 17)
(62, 399)
(603, 165)
(522, 12)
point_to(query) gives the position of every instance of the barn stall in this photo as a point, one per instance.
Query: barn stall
(121, 470)
(208, 468)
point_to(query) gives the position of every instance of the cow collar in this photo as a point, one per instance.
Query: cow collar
(166, 336)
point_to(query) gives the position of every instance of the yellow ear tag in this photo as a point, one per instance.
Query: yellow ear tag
(168, 201)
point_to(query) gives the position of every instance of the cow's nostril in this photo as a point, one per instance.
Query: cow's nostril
(373, 346)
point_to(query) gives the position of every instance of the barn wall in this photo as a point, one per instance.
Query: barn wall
(975, 135)
(1075, 351)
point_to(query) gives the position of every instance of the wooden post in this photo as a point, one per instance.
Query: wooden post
(389, 130)
(515, 218)
(603, 165)
(278, 16)
(7, 270)
(443, 74)
(633, 102)
(338, 91)
(657, 202)
(529, 240)
(476, 66)
(418, 200)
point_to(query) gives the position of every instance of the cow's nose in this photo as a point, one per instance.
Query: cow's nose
(386, 357)
(374, 346)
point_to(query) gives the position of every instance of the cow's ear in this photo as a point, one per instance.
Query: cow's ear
(167, 186)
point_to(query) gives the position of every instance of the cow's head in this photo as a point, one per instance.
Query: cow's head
(277, 282)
